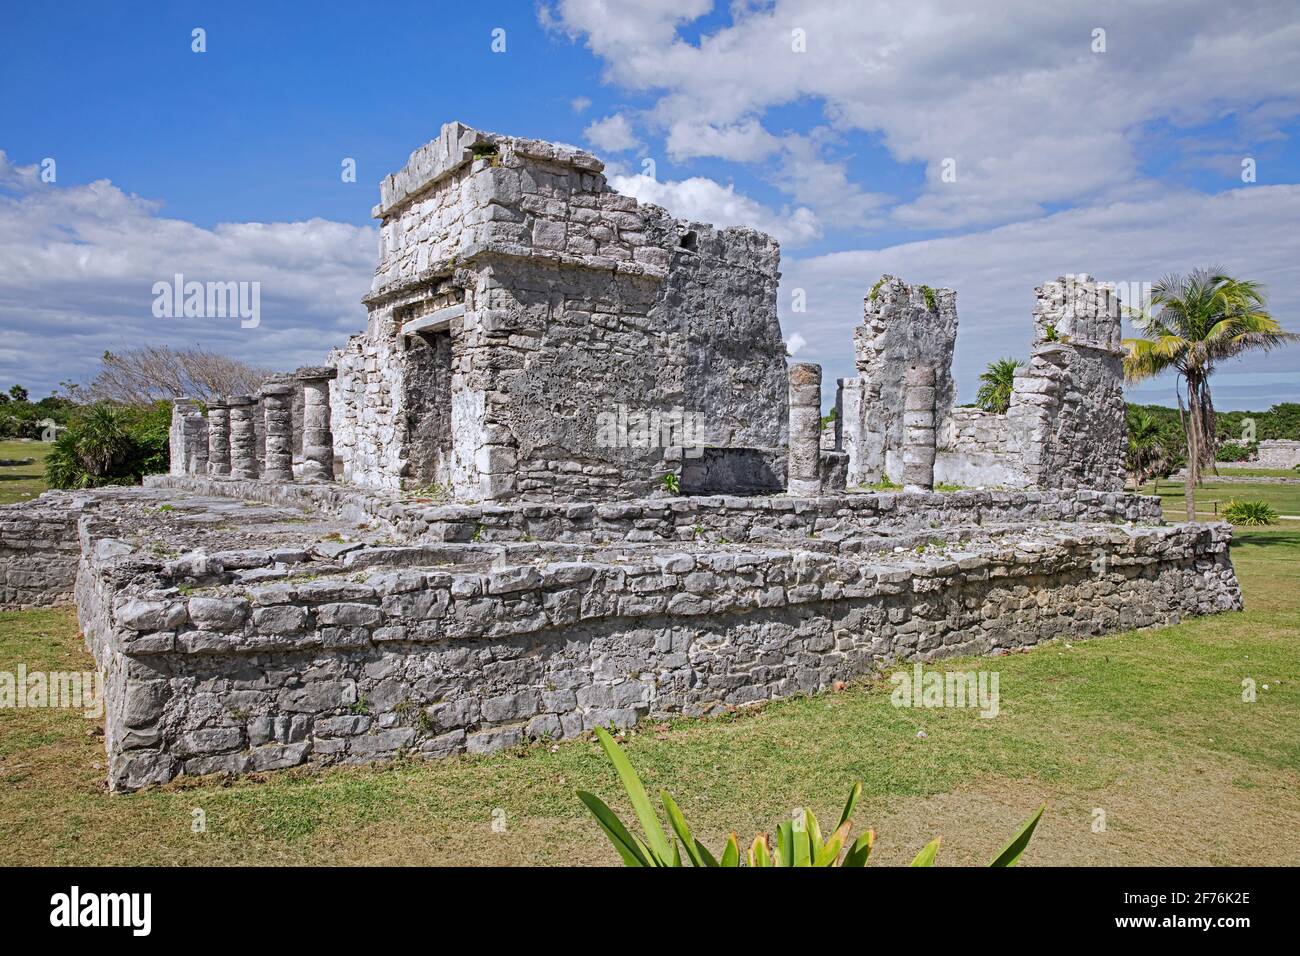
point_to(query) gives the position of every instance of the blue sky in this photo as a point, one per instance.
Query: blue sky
(225, 164)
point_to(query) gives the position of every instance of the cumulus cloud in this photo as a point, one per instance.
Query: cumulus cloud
(613, 134)
(1030, 115)
(78, 265)
(1249, 230)
(705, 200)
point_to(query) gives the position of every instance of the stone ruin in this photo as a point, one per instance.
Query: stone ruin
(564, 479)
(1065, 424)
(521, 307)
(1273, 453)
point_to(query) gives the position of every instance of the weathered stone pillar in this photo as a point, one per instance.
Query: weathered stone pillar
(317, 439)
(196, 441)
(188, 439)
(277, 411)
(243, 437)
(918, 428)
(803, 467)
(218, 439)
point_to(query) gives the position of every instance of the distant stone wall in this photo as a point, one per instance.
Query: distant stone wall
(235, 678)
(1277, 453)
(39, 551)
(902, 325)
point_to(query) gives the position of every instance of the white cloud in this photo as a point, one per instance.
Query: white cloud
(795, 344)
(78, 263)
(704, 200)
(743, 142)
(580, 104)
(1031, 115)
(1249, 230)
(613, 134)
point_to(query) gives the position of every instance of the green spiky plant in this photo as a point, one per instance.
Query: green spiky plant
(1250, 513)
(799, 841)
(672, 484)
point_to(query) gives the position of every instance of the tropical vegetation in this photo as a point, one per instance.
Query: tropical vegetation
(1191, 324)
(106, 444)
(799, 840)
(996, 383)
(1252, 513)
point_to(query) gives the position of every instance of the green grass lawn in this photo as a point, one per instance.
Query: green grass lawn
(1212, 497)
(1149, 728)
(21, 482)
(1233, 471)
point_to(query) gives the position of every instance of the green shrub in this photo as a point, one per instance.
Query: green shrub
(22, 418)
(930, 302)
(672, 484)
(110, 445)
(798, 842)
(1235, 451)
(1250, 513)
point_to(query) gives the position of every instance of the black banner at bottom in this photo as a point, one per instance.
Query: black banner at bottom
(337, 905)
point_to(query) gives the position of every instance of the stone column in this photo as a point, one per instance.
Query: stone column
(803, 467)
(918, 428)
(179, 453)
(243, 437)
(277, 411)
(317, 439)
(195, 429)
(218, 439)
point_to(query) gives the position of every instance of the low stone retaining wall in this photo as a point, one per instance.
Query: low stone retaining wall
(38, 552)
(715, 518)
(209, 677)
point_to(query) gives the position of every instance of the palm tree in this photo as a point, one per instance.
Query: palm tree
(995, 394)
(1194, 322)
(1146, 455)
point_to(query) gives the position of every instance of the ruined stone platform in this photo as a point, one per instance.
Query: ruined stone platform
(251, 626)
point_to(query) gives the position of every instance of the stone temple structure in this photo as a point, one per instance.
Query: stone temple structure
(520, 302)
(565, 478)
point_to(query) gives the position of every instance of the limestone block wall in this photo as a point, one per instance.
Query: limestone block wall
(432, 661)
(1065, 426)
(39, 551)
(974, 452)
(902, 325)
(573, 305)
(718, 518)
(1277, 453)
(1066, 419)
